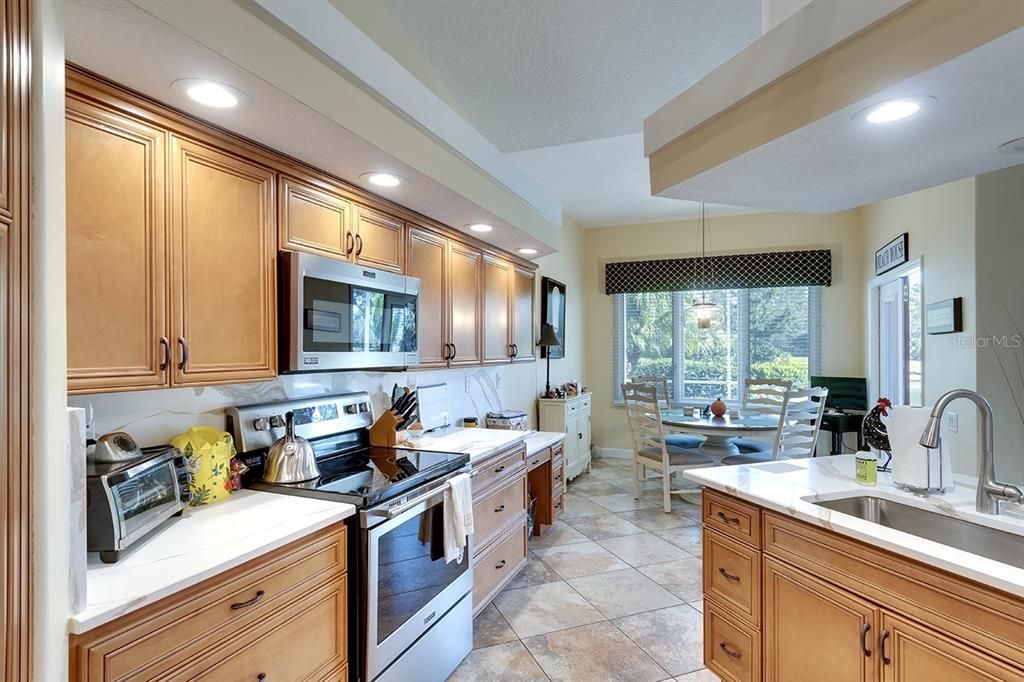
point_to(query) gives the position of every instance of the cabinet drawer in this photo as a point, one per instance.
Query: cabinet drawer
(584, 404)
(558, 471)
(732, 576)
(736, 519)
(498, 565)
(150, 642)
(498, 468)
(305, 642)
(537, 459)
(557, 507)
(731, 651)
(493, 513)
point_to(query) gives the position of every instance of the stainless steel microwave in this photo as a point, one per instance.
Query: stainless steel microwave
(337, 316)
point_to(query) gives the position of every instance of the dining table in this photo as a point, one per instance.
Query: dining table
(719, 432)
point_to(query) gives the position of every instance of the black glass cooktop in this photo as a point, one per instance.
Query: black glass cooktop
(371, 475)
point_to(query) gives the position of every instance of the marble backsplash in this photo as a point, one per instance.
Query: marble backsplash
(154, 417)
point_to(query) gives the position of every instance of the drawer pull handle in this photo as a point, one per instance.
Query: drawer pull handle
(881, 646)
(728, 576)
(500, 565)
(261, 677)
(499, 469)
(249, 602)
(731, 520)
(499, 509)
(865, 629)
(728, 652)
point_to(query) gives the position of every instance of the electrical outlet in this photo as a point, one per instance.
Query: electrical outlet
(468, 383)
(498, 381)
(952, 422)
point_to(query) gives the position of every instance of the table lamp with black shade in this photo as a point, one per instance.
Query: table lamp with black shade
(548, 339)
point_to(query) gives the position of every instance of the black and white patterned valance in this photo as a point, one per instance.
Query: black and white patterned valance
(740, 271)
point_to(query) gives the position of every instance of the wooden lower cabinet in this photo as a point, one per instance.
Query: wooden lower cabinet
(824, 607)
(814, 631)
(283, 615)
(499, 521)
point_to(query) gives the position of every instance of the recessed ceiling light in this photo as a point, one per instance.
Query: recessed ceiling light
(382, 179)
(894, 110)
(528, 252)
(1012, 147)
(209, 93)
(481, 227)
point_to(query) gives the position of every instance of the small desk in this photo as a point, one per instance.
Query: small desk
(545, 478)
(840, 423)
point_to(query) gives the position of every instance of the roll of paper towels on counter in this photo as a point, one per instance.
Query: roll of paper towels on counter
(913, 465)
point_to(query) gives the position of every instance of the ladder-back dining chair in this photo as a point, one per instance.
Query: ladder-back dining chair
(798, 434)
(660, 383)
(643, 411)
(766, 397)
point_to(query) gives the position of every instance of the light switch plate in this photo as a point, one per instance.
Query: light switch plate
(952, 422)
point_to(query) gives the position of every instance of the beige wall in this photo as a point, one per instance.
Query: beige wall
(940, 221)
(523, 383)
(999, 243)
(842, 303)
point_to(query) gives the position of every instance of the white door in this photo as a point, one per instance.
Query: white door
(571, 449)
(893, 341)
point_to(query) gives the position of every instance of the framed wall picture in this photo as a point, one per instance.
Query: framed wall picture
(945, 317)
(892, 255)
(552, 311)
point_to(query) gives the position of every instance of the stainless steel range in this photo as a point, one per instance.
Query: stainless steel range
(414, 610)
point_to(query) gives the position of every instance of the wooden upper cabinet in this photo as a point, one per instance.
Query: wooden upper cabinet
(464, 298)
(314, 219)
(428, 261)
(379, 240)
(497, 298)
(116, 252)
(522, 314)
(918, 654)
(813, 631)
(224, 313)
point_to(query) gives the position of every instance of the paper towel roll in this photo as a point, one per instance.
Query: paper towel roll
(914, 465)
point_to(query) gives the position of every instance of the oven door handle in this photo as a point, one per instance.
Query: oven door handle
(395, 512)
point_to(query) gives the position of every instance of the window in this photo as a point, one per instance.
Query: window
(769, 333)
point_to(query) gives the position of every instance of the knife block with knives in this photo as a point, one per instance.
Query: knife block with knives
(401, 415)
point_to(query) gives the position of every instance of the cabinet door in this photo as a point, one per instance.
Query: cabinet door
(814, 631)
(572, 447)
(7, 92)
(379, 241)
(911, 653)
(584, 435)
(464, 303)
(522, 314)
(224, 320)
(428, 261)
(314, 219)
(497, 293)
(116, 254)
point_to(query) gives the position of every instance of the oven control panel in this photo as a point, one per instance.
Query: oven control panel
(256, 427)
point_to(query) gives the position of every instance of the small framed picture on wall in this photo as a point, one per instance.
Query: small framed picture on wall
(552, 311)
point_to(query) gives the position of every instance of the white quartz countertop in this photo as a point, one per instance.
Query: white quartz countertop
(205, 541)
(790, 487)
(538, 440)
(477, 443)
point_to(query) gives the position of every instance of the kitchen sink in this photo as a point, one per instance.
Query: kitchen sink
(970, 537)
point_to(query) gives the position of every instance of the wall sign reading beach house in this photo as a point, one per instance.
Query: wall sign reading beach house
(892, 254)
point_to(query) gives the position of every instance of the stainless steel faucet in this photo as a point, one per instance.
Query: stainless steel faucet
(990, 491)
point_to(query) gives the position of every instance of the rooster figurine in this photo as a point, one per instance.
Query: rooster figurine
(874, 431)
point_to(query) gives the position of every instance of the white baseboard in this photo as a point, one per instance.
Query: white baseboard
(616, 453)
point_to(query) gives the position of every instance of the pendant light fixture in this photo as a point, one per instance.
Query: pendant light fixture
(703, 307)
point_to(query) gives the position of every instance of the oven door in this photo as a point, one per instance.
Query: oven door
(344, 316)
(410, 589)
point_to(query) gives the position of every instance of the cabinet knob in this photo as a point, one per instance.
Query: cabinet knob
(261, 677)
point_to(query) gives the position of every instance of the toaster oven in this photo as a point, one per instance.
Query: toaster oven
(127, 500)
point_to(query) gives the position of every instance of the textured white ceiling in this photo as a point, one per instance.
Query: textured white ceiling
(537, 73)
(130, 46)
(837, 163)
(605, 182)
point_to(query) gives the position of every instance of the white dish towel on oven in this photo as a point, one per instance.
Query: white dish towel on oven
(458, 517)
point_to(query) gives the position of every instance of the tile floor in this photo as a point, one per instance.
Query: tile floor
(611, 592)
